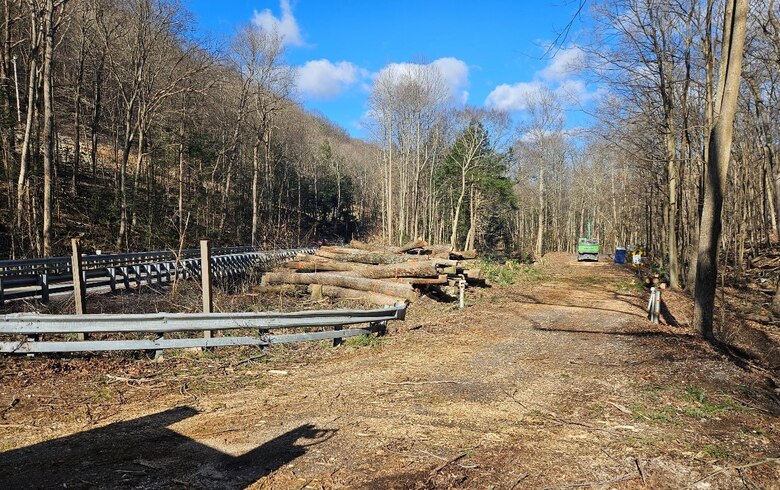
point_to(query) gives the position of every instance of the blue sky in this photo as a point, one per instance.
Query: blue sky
(490, 53)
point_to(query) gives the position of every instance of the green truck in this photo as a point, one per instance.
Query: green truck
(588, 249)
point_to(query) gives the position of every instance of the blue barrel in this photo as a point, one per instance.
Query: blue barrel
(620, 255)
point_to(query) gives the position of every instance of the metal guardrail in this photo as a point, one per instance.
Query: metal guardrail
(33, 325)
(29, 278)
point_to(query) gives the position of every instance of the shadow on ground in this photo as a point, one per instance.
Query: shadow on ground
(146, 453)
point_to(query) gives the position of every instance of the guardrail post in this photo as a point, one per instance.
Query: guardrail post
(158, 268)
(150, 273)
(381, 327)
(654, 305)
(79, 285)
(112, 278)
(2, 292)
(205, 281)
(45, 284)
(125, 276)
(137, 272)
(338, 340)
(168, 272)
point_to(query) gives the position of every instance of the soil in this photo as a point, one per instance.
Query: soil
(556, 381)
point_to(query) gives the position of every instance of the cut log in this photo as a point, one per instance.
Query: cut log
(409, 269)
(406, 269)
(463, 254)
(473, 274)
(315, 291)
(440, 249)
(364, 258)
(445, 262)
(418, 243)
(346, 293)
(315, 266)
(450, 270)
(314, 258)
(342, 250)
(367, 246)
(421, 281)
(404, 291)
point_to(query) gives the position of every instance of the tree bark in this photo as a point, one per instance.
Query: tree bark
(404, 291)
(48, 126)
(77, 111)
(255, 190)
(734, 28)
(366, 258)
(22, 186)
(346, 293)
(538, 251)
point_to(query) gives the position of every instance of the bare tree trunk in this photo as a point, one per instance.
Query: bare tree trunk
(458, 205)
(48, 125)
(95, 123)
(77, 113)
(709, 75)
(734, 28)
(182, 170)
(139, 161)
(128, 141)
(22, 186)
(540, 228)
(255, 190)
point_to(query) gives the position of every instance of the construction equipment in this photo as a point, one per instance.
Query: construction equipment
(588, 248)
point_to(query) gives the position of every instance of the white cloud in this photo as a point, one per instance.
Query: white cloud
(323, 79)
(514, 97)
(454, 74)
(286, 26)
(565, 63)
(559, 76)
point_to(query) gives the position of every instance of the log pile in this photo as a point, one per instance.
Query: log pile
(378, 274)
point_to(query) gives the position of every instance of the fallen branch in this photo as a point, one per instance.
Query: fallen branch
(737, 468)
(446, 462)
(14, 402)
(421, 382)
(128, 380)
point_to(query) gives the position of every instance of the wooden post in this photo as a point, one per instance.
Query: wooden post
(205, 281)
(79, 286)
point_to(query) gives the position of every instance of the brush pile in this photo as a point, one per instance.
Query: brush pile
(381, 275)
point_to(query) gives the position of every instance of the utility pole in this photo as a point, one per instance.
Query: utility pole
(16, 84)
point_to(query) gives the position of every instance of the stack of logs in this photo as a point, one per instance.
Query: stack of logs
(380, 275)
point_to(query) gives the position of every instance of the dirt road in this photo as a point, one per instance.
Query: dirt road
(557, 381)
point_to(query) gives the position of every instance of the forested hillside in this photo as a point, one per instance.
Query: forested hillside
(134, 133)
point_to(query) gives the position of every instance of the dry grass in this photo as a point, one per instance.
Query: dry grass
(555, 383)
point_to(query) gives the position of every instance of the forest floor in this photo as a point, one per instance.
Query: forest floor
(556, 381)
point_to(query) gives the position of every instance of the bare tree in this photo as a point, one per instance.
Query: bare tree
(729, 74)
